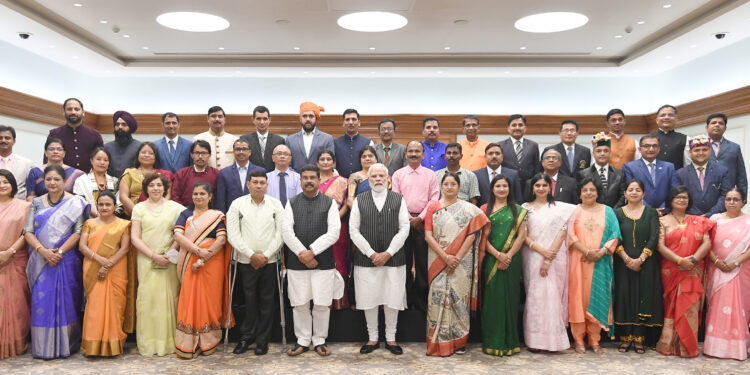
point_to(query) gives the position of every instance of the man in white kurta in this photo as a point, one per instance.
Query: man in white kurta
(379, 226)
(221, 142)
(311, 227)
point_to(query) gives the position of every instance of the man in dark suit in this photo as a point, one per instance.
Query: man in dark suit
(389, 153)
(726, 152)
(262, 141)
(672, 145)
(707, 180)
(174, 151)
(565, 188)
(658, 176)
(493, 154)
(612, 179)
(575, 157)
(232, 181)
(307, 144)
(520, 153)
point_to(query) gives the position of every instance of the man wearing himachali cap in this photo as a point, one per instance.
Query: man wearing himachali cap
(611, 178)
(307, 144)
(707, 180)
(124, 148)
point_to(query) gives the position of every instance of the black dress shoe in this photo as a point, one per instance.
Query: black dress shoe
(261, 349)
(367, 349)
(241, 347)
(395, 349)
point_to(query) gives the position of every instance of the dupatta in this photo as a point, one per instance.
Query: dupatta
(602, 282)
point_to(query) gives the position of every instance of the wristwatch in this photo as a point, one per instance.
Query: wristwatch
(59, 251)
(693, 260)
(736, 263)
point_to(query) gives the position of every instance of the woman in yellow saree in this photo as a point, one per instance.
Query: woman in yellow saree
(108, 280)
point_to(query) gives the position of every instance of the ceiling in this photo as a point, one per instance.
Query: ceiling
(263, 35)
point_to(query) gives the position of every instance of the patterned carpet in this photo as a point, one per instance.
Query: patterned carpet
(347, 360)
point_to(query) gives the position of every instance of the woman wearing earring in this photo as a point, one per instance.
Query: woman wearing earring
(54, 151)
(97, 181)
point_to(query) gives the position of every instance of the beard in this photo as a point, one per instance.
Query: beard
(73, 119)
(379, 188)
(123, 137)
(308, 126)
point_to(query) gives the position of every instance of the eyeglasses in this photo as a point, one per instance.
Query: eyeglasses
(569, 131)
(53, 149)
(242, 149)
(551, 158)
(201, 153)
(283, 154)
(681, 198)
(386, 129)
(733, 199)
(647, 147)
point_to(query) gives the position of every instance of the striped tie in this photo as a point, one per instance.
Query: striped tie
(603, 179)
(519, 151)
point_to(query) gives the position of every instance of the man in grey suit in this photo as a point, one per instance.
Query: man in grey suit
(726, 152)
(18, 165)
(520, 153)
(389, 153)
(262, 141)
(575, 157)
(307, 144)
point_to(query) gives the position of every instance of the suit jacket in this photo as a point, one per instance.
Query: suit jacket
(20, 170)
(710, 199)
(181, 157)
(397, 159)
(229, 187)
(529, 164)
(730, 156)
(665, 176)
(581, 159)
(484, 184)
(321, 141)
(614, 195)
(566, 190)
(263, 159)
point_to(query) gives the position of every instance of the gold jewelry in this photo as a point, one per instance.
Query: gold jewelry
(37, 247)
(648, 252)
(12, 250)
(619, 248)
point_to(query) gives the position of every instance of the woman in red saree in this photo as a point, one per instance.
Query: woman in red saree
(684, 242)
(202, 268)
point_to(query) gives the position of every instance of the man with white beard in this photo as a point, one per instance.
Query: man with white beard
(379, 226)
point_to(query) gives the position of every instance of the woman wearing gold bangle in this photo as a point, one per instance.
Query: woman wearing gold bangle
(639, 312)
(683, 243)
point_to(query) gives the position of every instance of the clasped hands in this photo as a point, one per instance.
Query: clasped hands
(594, 255)
(50, 255)
(379, 259)
(307, 257)
(451, 263)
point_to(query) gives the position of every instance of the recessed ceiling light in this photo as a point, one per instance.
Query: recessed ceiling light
(77, 5)
(372, 72)
(237, 72)
(305, 72)
(522, 48)
(296, 48)
(641, 22)
(551, 22)
(144, 47)
(192, 21)
(574, 72)
(107, 71)
(599, 48)
(372, 22)
(447, 48)
(618, 36)
(221, 48)
(102, 21)
(126, 36)
(667, 6)
(693, 45)
(372, 48)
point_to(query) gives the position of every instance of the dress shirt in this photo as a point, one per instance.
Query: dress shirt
(473, 154)
(397, 242)
(222, 154)
(606, 170)
(323, 242)
(418, 186)
(307, 140)
(79, 143)
(255, 228)
(705, 169)
(469, 187)
(293, 186)
(434, 156)
(174, 144)
(243, 173)
(497, 171)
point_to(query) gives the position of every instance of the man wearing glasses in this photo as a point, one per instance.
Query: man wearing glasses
(231, 183)
(185, 178)
(283, 182)
(673, 145)
(390, 153)
(658, 176)
(574, 157)
(473, 147)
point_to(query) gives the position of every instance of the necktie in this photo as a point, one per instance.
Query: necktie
(603, 178)
(652, 172)
(494, 174)
(387, 152)
(282, 188)
(262, 140)
(570, 159)
(171, 149)
(554, 184)
(716, 146)
(701, 176)
(519, 151)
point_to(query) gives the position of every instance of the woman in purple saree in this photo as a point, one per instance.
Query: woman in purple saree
(54, 272)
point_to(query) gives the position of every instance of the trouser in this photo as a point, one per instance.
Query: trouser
(590, 327)
(311, 327)
(416, 255)
(260, 288)
(391, 321)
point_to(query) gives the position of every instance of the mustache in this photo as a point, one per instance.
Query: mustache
(309, 184)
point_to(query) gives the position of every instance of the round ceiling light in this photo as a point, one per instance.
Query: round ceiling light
(372, 22)
(192, 21)
(552, 22)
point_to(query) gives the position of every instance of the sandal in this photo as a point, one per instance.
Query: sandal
(322, 350)
(597, 349)
(297, 350)
(625, 346)
(580, 348)
(639, 348)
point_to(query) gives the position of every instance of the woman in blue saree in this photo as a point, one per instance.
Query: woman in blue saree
(54, 272)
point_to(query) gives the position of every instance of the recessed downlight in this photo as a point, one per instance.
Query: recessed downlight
(77, 5)
(126, 35)
(221, 48)
(599, 48)
(641, 22)
(103, 22)
(372, 22)
(551, 22)
(522, 48)
(192, 21)
(144, 48)
(667, 6)
(447, 48)
(296, 48)
(372, 48)
(618, 36)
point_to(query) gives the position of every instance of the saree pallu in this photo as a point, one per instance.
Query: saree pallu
(110, 303)
(56, 291)
(14, 289)
(337, 188)
(728, 293)
(683, 290)
(452, 297)
(202, 308)
(501, 294)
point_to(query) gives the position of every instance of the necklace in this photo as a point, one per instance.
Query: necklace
(100, 185)
(53, 204)
(680, 222)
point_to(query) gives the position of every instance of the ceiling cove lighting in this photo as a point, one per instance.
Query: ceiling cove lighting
(192, 21)
(551, 22)
(372, 22)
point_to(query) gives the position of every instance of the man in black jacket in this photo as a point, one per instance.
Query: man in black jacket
(612, 179)
(564, 187)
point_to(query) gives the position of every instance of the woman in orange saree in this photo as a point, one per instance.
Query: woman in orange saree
(202, 268)
(108, 280)
(683, 244)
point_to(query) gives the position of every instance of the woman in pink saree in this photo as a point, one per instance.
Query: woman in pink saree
(728, 286)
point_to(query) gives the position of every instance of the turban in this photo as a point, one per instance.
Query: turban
(602, 139)
(310, 106)
(128, 118)
(699, 140)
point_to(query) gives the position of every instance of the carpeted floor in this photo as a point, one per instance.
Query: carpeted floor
(347, 360)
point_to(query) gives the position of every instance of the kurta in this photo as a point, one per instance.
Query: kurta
(14, 289)
(473, 154)
(222, 154)
(79, 142)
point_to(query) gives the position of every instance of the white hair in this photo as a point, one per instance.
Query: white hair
(377, 165)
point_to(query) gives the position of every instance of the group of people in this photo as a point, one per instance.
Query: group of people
(627, 238)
